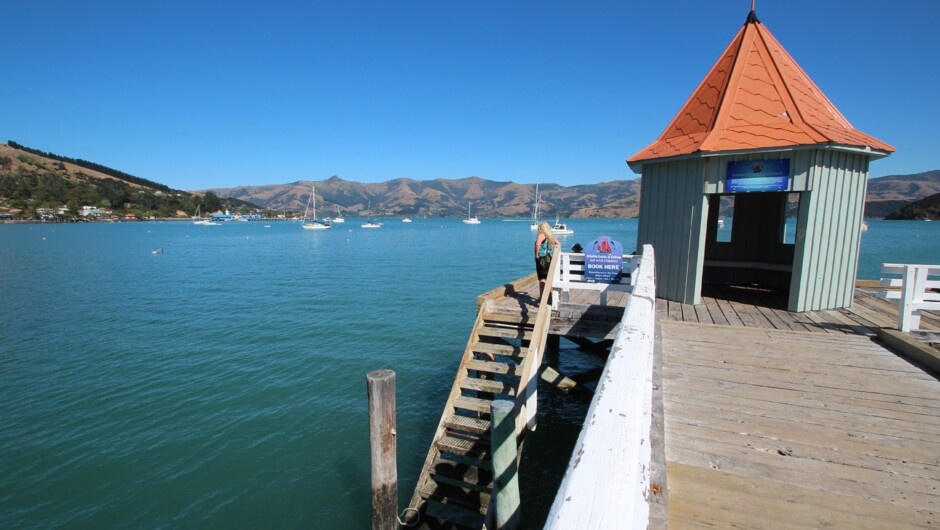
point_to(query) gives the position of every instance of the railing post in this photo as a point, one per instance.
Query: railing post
(505, 473)
(381, 386)
(920, 290)
(908, 290)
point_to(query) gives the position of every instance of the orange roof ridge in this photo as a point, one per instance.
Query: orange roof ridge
(755, 96)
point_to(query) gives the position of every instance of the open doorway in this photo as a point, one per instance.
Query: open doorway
(749, 239)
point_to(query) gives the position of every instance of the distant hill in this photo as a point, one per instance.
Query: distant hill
(888, 194)
(32, 180)
(928, 208)
(447, 198)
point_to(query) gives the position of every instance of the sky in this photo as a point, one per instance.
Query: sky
(203, 94)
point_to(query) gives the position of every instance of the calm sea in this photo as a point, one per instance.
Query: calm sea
(172, 375)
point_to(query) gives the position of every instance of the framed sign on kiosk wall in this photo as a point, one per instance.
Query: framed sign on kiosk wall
(758, 175)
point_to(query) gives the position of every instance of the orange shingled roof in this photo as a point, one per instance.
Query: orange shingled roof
(755, 97)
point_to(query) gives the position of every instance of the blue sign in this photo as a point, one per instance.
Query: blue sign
(758, 175)
(603, 261)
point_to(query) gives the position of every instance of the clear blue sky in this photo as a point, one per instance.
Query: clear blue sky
(204, 94)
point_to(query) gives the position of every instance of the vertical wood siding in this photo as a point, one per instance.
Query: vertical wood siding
(832, 186)
(829, 233)
(672, 209)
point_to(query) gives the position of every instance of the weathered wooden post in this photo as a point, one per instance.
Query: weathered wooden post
(381, 385)
(505, 473)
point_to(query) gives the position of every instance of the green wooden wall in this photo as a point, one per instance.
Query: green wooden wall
(674, 217)
(672, 214)
(829, 235)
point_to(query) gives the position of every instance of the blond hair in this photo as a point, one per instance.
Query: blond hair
(547, 230)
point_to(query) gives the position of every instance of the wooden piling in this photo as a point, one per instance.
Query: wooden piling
(505, 472)
(382, 438)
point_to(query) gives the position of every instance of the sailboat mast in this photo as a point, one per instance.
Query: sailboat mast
(535, 216)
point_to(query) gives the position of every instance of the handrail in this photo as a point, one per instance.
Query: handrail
(525, 405)
(527, 394)
(607, 484)
(570, 274)
(917, 291)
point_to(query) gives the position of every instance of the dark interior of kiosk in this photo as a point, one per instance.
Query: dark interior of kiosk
(748, 241)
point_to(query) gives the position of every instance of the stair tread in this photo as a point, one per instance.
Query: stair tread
(463, 475)
(499, 349)
(476, 449)
(473, 425)
(493, 367)
(510, 318)
(454, 496)
(489, 385)
(472, 403)
(513, 332)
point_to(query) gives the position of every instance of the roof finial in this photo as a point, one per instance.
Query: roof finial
(752, 16)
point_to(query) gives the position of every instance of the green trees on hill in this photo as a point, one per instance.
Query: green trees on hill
(928, 208)
(211, 202)
(93, 166)
(33, 184)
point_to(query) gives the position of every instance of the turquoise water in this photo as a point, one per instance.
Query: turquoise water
(220, 382)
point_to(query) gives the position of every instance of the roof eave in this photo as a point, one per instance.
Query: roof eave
(866, 150)
(637, 165)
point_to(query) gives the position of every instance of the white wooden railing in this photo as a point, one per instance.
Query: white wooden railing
(608, 478)
(917, 291)
(527, 395)
(570, 275)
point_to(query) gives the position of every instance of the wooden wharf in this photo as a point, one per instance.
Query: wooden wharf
(761, 418)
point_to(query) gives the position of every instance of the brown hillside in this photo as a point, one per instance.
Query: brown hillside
(65, 170)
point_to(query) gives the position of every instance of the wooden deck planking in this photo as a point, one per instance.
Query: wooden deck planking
(796, 429)
(916, 457)
(750, 308)
(850, 394)
(791, 419)
(747, 503)
(715, 313)
(761, 308)
(728, 314)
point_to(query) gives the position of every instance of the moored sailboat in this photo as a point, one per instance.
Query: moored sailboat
(535, 212)
(470, 220)
(202, 221)
(314, 224)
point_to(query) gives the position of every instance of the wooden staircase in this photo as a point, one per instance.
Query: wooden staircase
(456, 482)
